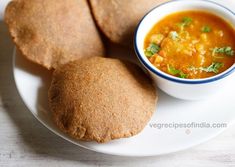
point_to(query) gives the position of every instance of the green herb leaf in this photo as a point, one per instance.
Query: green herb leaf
(214, 67)
(152, 49)
(148, 53)
(174, 71)
(206, 29)
(224, 50)
(182, 75)
(186, 21)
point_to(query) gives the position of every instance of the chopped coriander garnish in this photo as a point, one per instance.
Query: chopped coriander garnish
(148, 53)
(206, 29)
(223, 50)
(214, 67)
(186, 21)
(182, 75)
(152, 49)
(174, 71)
(174, 35)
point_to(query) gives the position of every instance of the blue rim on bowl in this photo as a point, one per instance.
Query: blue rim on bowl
(173, 78)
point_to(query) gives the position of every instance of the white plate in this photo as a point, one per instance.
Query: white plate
(33, 81)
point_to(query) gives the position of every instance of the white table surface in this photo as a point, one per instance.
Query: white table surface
(25, 142)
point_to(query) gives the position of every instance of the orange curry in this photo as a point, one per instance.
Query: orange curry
(191, 45)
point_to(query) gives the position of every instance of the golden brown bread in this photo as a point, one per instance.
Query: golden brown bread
(53, 32)
(100, 99)
(119, 18)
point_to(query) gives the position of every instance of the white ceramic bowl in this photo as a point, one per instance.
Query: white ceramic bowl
(187, 89)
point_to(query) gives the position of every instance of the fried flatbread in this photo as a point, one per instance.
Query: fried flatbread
(53, 32)
(119, 18)
(101, 99)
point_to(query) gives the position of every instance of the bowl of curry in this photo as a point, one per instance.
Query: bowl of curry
(188, 47)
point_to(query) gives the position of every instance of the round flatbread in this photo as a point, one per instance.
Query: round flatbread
(100, 99)
(53, 32)
(119, 18)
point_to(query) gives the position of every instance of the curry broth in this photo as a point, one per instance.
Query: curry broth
(192, 44)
